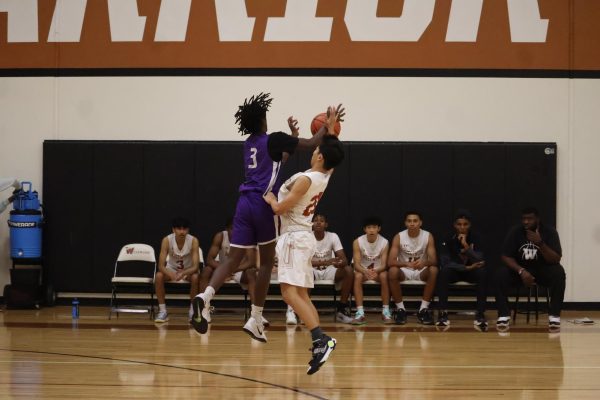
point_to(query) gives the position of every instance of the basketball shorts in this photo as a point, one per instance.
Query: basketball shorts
(327, 274)
(413, 274)
(254, 222)
(295, 251)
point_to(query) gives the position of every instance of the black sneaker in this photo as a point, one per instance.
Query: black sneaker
(443, 319)
(400, 317)
(424, 316)
(321, 350)
(480, 319)
(198, 321)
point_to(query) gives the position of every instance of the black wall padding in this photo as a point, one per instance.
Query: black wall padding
(99, 196)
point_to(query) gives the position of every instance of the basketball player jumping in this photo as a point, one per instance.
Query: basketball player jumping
(254, 222)
(297, 201)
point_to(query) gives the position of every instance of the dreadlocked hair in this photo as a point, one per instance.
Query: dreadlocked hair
(250, 115)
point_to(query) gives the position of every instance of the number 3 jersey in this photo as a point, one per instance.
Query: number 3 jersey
(180, 259)
(262, 160)
(299, 217)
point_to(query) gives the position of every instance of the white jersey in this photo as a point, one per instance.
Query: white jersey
(299, 217)
(413, 249)
(224, 250)
(327, 247)
(370, 253)
(180, 259)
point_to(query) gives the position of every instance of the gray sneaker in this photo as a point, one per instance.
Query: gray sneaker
(163, 316)
(343, 318)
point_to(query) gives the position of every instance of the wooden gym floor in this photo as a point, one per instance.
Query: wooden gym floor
(44, 355)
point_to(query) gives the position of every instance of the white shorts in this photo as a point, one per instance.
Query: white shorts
(294, 252)
(327, 274)
(237, 277)
(413, 274)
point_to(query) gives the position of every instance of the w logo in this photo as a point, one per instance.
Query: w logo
(529, 251)
(129, 250)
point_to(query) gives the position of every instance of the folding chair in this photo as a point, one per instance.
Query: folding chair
(135, 268)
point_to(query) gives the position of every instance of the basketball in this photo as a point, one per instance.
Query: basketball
(319, 120)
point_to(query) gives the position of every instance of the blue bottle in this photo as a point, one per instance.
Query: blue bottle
(75, 310)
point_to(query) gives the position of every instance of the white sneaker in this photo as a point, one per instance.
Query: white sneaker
(207, 312)
(265, 322)
(190, 313)
(554, 322)
(503, 322)
(290, 317)
(255, 330)
(163, 316)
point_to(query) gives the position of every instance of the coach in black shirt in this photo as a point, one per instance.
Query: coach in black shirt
(532, 254)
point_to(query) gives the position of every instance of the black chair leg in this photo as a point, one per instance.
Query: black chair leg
(515, 311)
(529, 303)
(334, 302)
(537, 304)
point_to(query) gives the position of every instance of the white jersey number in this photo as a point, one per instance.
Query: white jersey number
(254, 164)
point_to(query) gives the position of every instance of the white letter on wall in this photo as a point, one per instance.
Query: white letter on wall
(67, 21)
(364, 25)
(463, 24)
(299, 24)
(22, 20)
(233, 21)
(173, 20)
(125, 23)
(526, 24)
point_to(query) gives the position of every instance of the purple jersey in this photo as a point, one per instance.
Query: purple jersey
(254, 222)
(261, 170)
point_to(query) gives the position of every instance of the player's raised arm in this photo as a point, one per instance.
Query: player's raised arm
(334, 114)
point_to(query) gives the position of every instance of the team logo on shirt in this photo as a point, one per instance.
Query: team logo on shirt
(529, 251)
(370, 257)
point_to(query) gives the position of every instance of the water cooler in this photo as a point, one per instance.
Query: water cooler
(28, 287)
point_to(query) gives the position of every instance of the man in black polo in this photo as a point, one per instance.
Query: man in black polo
(532, 254)
(461, 259)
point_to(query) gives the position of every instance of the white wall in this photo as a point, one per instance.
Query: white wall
(382, 109)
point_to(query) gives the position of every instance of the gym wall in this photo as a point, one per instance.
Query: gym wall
(514, 71)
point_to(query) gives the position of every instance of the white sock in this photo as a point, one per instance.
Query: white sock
(290, 308)
(162, 307)
(553, 318)
(386, 307)
(424, 304)
(256, 313)
(360, 309)
(208, 294)
(400, 306)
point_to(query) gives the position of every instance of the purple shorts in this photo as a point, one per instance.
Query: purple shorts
(254, 222)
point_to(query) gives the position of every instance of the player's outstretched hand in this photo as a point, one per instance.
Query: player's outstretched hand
(293, 124)
(339, 111)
